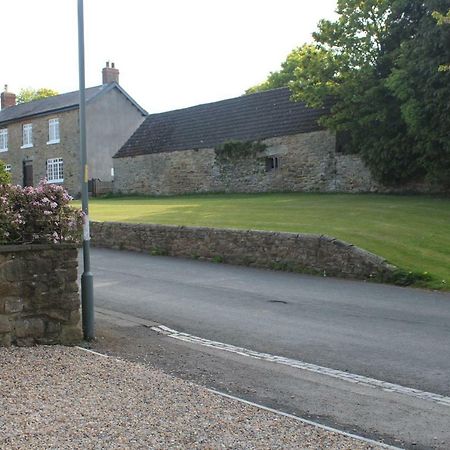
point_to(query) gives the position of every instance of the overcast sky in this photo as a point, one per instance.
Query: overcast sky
(170, 53)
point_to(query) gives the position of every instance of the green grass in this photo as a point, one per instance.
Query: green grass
(412, 232)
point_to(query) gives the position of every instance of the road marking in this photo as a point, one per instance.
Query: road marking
(344, 376)
(272, 410)
(306, 421)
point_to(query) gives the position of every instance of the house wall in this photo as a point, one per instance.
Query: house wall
(68, 148)
(110, 120)
(308, 162)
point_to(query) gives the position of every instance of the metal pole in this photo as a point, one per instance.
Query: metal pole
(87, 279)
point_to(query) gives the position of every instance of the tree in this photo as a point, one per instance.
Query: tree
(29, 94)
(424, 91)
(282, 77)
(350, 62)
(443, 20)
(5, 177)
(378, 64)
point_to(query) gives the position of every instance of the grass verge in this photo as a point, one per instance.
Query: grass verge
(411, 232)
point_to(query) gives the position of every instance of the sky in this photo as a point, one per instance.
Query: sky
(171, 53)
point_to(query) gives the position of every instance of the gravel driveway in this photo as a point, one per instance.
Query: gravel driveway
(61, 398)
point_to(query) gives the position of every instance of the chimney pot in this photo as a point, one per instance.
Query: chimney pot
(7, 99)
(110, 74)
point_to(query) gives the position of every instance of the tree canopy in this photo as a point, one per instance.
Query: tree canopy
(29, 94)
(379, 65)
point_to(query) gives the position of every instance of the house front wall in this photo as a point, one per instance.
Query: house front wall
(110, 120)
(306, 162)
(41, 151)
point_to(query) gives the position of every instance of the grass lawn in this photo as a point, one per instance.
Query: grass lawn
(412, 232)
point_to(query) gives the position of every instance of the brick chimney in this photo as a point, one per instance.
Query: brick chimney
(110, 74)
(7, 98)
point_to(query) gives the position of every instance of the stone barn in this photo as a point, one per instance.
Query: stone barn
(262, 142)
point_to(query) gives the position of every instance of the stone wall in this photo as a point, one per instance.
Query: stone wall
(68, 148)
(39, 298)
(306, 253)
(307, 162)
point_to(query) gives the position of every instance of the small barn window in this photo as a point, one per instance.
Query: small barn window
(272, 163)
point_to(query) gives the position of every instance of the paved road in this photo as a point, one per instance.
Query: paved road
(392, 334)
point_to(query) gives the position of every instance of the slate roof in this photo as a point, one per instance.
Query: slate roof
(62, 102)
(247, 118)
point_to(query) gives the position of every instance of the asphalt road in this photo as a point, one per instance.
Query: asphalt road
(388, 333)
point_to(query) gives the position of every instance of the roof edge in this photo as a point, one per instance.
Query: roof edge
(44, 113)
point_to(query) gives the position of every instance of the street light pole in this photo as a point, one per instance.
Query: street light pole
(87, 279)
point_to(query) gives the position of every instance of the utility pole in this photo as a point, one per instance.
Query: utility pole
(87, 279)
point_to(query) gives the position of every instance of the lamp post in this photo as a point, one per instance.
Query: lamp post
(87, 279)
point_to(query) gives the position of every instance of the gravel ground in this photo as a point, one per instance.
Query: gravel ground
(61, 398)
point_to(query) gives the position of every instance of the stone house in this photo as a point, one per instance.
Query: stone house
(40, 139)
(254, 143)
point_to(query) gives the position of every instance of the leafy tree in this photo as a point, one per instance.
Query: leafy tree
(29, 94)
(282, 77)
(443, 20)
(424, 91)
(5, 177)
(350, 62)
(378, 65)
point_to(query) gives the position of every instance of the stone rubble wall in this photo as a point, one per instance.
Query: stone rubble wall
(39, 295)
(307, 253)
(308, 162)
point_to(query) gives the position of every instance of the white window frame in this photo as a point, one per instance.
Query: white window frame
(55, 170)
(53, 131)
(3, 139)
(8, 168)
(27, 135)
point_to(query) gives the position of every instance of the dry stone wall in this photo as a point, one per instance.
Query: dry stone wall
(306, 253)
(39, 298)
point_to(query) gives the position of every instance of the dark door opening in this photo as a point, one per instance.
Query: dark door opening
(28, 173)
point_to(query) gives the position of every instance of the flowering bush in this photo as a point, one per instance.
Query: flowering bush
(38, 215)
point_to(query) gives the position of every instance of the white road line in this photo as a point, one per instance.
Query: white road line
(272, 410)
(88, 350)
(345, 376)
(306, 421)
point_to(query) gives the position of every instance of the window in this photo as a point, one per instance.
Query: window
(27, 134)
(272, 163)
(8, 168)
(55, 172)
(4, 140)
(53, 131)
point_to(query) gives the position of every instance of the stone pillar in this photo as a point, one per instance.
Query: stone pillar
(39, 295)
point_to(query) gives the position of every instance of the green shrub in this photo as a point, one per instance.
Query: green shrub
(5, 177)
